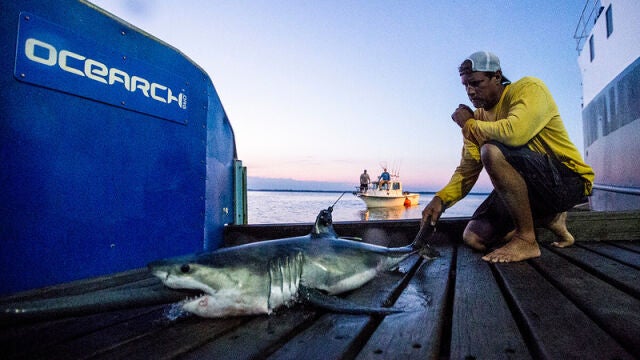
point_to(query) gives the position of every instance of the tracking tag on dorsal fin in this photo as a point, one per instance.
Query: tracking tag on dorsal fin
(323, 226)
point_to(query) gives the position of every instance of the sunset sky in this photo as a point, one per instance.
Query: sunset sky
(320, 90)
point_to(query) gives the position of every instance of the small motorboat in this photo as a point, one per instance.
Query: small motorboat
(387, 195)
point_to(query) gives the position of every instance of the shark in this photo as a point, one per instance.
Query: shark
(258, 278)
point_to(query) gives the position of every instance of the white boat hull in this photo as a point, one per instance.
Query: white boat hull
(610, 67)
(377, 199)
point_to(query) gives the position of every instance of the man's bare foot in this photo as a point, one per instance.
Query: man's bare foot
(505, 239)
(558, 225)
(517, 249)
(564, 242)
(478, 244)
(508, 236)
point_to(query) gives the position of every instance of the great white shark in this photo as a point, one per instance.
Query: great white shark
(260, 277)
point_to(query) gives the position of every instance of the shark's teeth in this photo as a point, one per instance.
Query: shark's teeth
(176, 311)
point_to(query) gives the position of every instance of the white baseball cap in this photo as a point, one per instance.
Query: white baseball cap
(486, 61)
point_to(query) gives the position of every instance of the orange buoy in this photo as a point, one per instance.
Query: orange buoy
(407, 202)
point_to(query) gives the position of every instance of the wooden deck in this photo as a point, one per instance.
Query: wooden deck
(582, 302)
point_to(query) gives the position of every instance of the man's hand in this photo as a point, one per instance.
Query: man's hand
(432, 211)
(462, 114)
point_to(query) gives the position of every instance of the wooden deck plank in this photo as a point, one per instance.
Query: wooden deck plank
(629, 245)
(418, 332)
(556, 328)
(589, 226)
(336, 336)
(53, 336)
(622, 255)
(256, 338)
(610, 225)
(80, 287)
(167, 340)
(102, 338)
(480, 312)
(617, 312)
(331, 337)
(620, 275)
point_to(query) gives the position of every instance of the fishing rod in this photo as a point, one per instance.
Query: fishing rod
(341, 195)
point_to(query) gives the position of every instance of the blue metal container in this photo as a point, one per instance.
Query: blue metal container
(114, 147)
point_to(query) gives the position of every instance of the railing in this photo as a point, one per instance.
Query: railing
(590, 13)
(618, 189)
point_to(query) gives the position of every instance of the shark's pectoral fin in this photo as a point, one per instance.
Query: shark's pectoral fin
(319, 299)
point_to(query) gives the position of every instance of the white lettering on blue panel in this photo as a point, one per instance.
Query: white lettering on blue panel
(52, 56)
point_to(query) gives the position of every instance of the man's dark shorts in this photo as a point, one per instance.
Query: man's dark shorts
(553, 188)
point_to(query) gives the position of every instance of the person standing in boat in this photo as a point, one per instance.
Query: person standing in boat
(517, 135)
(364, 181)
(384, 179)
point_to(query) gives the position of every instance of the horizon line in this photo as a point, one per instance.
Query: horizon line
(345, 191)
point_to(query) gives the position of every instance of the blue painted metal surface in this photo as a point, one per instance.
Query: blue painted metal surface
(114, 147)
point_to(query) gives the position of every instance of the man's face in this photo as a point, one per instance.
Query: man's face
(483, 91)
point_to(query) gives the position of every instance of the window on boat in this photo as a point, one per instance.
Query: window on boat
(592, 51)
(609, 20)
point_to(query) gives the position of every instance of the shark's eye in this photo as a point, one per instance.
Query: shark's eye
(185, 268)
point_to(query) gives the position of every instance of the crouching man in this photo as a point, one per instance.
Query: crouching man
(515, 134)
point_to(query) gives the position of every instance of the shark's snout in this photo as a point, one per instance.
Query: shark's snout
(162, 275)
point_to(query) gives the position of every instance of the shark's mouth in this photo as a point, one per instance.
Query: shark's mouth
(176, 311)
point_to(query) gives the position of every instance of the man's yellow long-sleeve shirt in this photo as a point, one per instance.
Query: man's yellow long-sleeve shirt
(525, 115)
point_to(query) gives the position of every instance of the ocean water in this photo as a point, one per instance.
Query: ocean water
(265, 207)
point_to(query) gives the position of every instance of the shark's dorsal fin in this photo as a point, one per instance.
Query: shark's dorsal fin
(323, 226)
